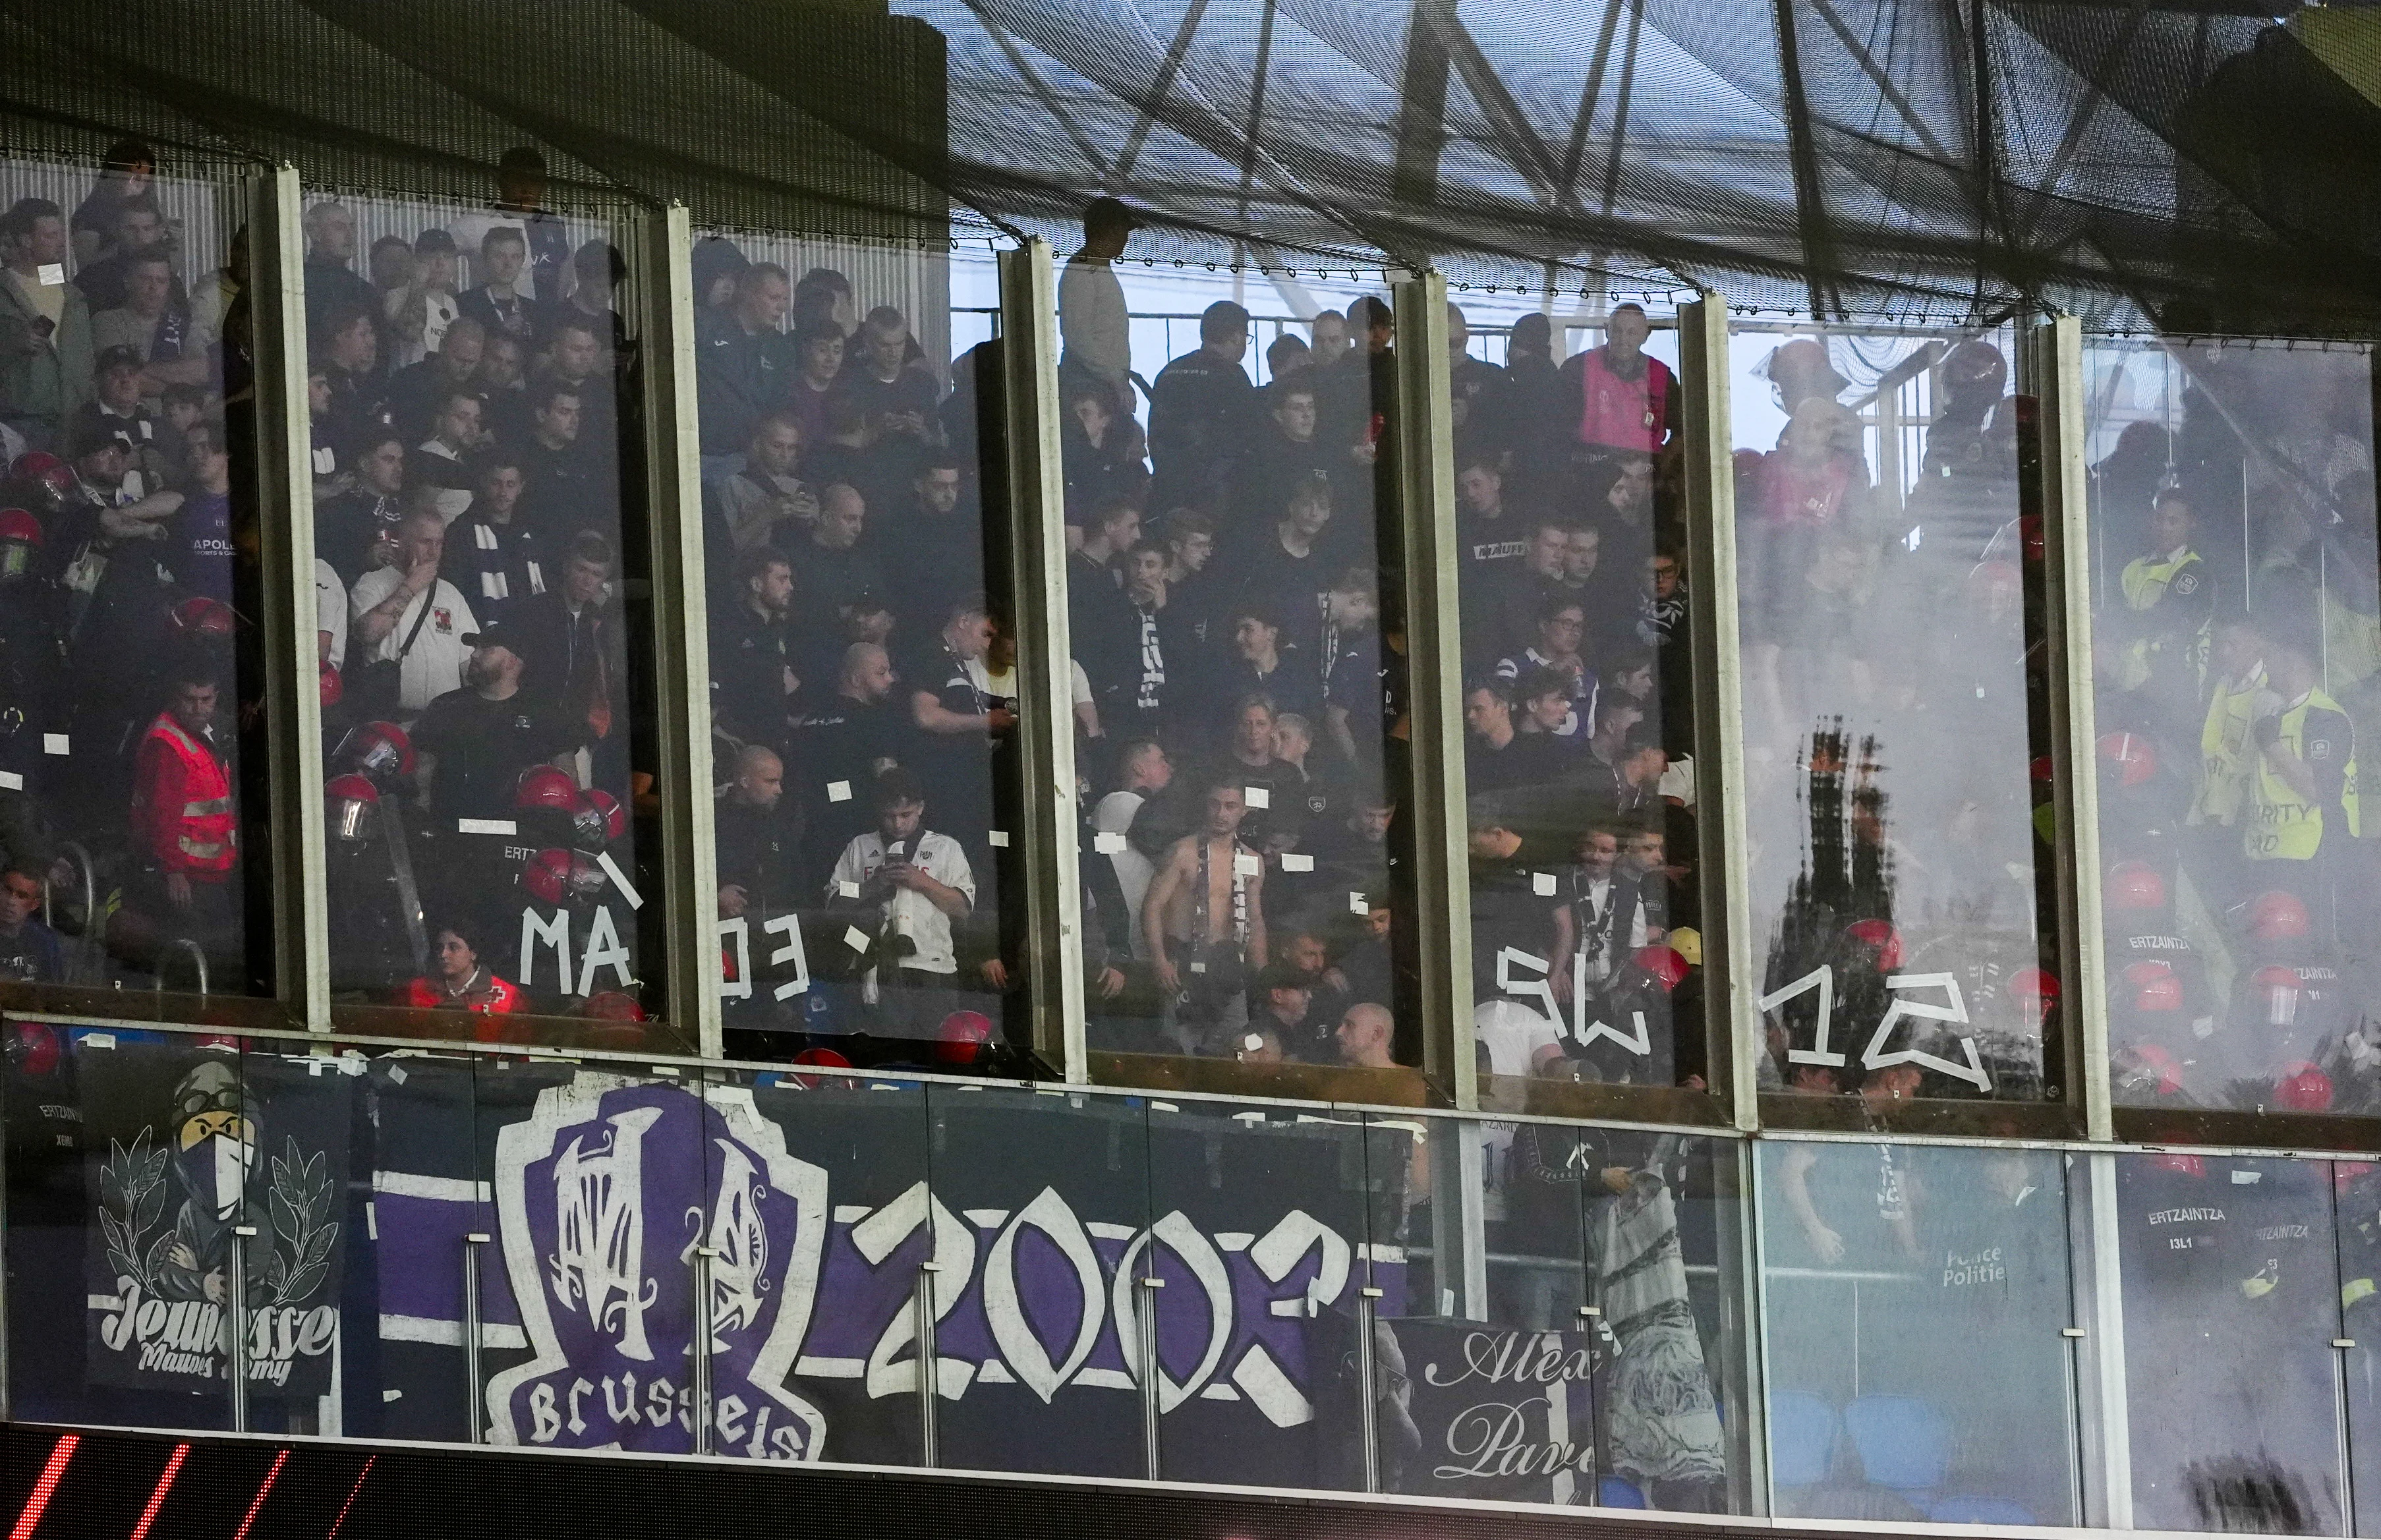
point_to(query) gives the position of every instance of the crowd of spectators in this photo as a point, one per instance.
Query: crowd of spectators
(475, 459)
(127, 584)
(2237, 656)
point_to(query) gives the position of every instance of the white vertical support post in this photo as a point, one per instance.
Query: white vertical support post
(2113, 1470)
(1732, 973)
(1440, 917)
(663, 276)
(293, 699)
(2056, 364)
(1051, 815)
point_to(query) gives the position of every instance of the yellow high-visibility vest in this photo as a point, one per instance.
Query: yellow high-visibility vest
(2282, 826)
(2226, 752)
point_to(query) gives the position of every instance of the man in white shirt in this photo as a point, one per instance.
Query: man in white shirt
(903, 885)
(330, 617)
(1147, 771)
(1094, 329)
(387, 623)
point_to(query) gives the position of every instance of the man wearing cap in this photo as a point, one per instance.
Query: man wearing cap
(417, 315)
(1094, 329)
(1203, 414)
(45, 339)
(473, 742)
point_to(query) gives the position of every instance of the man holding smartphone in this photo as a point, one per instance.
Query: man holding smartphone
(905, 883)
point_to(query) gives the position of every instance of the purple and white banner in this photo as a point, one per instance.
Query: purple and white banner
(609, 1199)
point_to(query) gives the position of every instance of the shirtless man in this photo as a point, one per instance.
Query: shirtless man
(1203, 918)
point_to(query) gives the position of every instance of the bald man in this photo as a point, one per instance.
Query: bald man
(404, 613)
(1365, 1036)
(837, 749)
(759, 843)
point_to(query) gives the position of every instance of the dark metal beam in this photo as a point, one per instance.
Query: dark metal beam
(1810, 195)
(1421, 111)
(1162, 88)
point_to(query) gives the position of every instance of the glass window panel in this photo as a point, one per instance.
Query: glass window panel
(817, 1327)
(1889, 590)
(131, 1158)
(2231, 1301)
(1231, 604)
(1262, 1225)
(2235, 607)
(863, 699)
(597, 1183)
(422, 1160)
(1550, 1321)
(482, 587)
(2357, 1200)
(1050, 1191)
(1578, 700)
(132, 763)
(1914, 1298)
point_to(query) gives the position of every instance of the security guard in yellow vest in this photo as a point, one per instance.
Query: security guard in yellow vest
(2302, 817)
(2167, 593)
(2238, 694)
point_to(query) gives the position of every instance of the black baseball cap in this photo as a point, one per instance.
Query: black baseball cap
(493, 636)
(1108, 212)
(120, 354)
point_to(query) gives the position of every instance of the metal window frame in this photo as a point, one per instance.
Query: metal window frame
(1051, 813)
(663, 281)
(1440, 916)
(293, 702)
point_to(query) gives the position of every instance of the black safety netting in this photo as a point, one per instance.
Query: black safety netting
(2159, 161)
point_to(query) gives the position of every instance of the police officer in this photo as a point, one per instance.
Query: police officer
(2166, 599)
(2302, 806)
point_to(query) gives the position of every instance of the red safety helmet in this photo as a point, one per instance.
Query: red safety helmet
(354, 806)
(824, 1059)
(541, 786)
(332, 684)
(2134, 885)
(556, 876)
(37, 1047)
(2131, 758)
(1881, 936)
(2180, 1164)
(1665, 964)
(376, 749)
(963, 1037)
(615, 816)
(2042, 770)
(2035, 992)
(2275, 915)
(2301, 1087)
(203, 617)
(613, 1005)
(2154, 984)
(52, 480)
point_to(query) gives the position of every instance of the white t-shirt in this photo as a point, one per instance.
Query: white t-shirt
(1514, 1035)
(331, 609)
(939, 856)
(435, 664)
(1114, 816)
(1093, 324)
